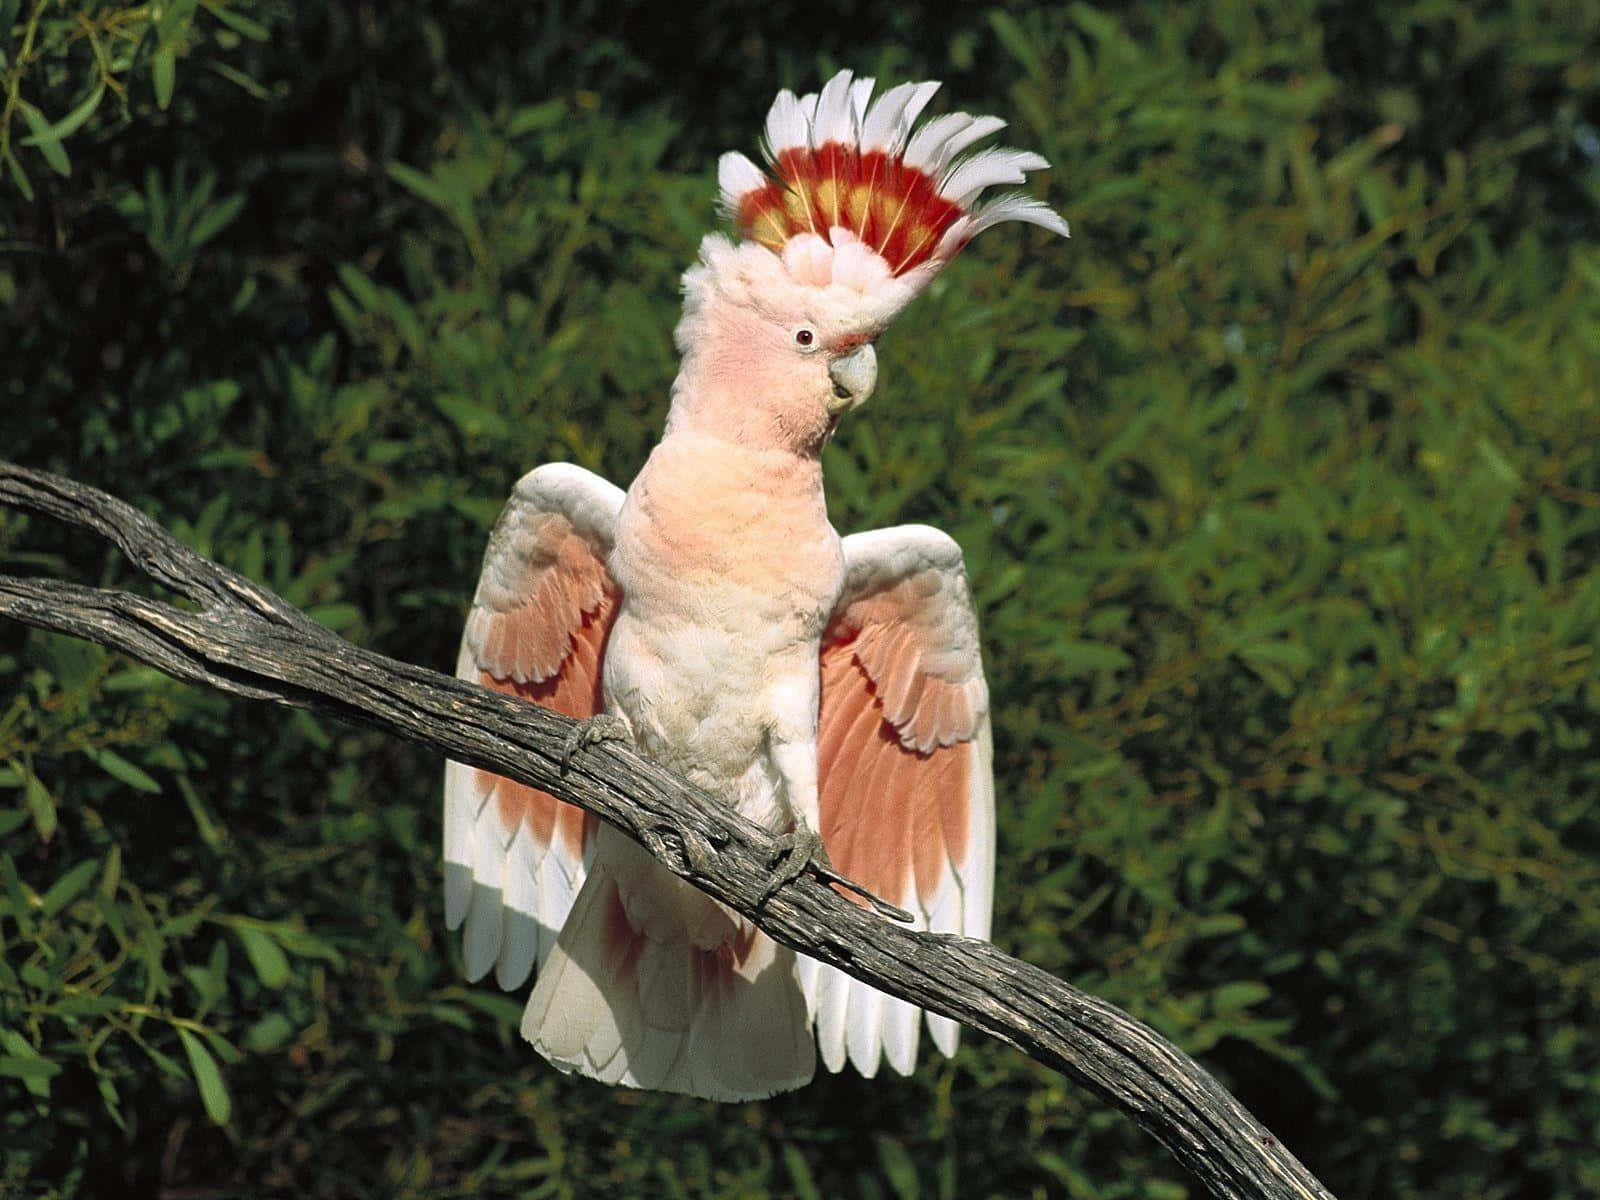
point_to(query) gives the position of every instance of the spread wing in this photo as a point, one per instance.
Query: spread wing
(906, 792)
(513, 855)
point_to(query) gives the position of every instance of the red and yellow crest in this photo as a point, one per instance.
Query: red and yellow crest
(840, 161)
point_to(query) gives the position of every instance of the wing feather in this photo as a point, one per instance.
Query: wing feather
(906, 788)
(514, 855)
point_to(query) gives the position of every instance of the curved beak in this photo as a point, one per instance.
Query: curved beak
(853, 377)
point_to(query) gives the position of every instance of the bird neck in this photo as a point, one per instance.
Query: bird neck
(752, 413)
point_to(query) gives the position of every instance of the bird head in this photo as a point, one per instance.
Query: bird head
(858, 210)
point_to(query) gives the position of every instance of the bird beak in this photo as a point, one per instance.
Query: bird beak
(853, 377)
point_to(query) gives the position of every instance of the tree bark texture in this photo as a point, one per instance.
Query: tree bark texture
(247, 641)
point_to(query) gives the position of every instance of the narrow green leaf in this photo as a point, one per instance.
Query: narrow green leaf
(1078, 656)
(536, 117)
(135, 679)
(507, 1011)
(69, 887)
(805, 1185)
(1023, 47)
(269, 1033)
(266, 956)
(49, 145)
(216, 219)
(213, 1092)
(72, 122)
(22, 1061)
(1231, 997)
(898, 1168)
(27, 1068)
(119, 768)
(113, 1102)
(42, 806)
(304, 945)
(20, 894)
(240, 80)
(164, 70)
(18, 175)
(238, 22)
(415, 182)
(222, 1047)
(205, 824)
(167, 1064)
(368, 294)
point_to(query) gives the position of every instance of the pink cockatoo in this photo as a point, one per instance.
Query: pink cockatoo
(822, 687)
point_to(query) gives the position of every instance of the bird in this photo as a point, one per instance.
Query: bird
(829, 688)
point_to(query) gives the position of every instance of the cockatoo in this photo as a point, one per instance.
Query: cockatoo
(823, 687)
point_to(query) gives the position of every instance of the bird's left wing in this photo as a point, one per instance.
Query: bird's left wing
(514, 857)
(906, 792)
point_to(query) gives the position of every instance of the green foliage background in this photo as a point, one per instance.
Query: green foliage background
(1279, 485)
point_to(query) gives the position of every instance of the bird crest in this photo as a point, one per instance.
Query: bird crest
(847, 174)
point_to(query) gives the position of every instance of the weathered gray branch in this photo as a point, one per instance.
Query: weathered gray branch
(248, 641)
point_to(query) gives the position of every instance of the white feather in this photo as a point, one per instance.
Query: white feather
(925, 565)
(920, 95)
(883, 124)
(808, 970)
(654, 1057)
(462, 800)
(946, 913)
(787, 127)
(567, 1002)
(736, 176)
(519, 938)
(558, 887)
(832, 121)
(603, 1050)
(988, 168)
(480, 943)
(926, 151)
(833, 994)
(901, 1022)
(860, 94)
(977, 872)
(980, 128)
(945, 1033)
(864, 1032)
(958, 235)
(1017, 207)
(497, 882)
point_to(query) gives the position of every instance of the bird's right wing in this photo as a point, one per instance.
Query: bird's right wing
(906, 790)
(513, 855)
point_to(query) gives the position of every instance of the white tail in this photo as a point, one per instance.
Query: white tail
(624, 1006)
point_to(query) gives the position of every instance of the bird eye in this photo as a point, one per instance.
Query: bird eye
(804, 337)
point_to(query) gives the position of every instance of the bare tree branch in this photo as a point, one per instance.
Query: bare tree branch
(248, 641)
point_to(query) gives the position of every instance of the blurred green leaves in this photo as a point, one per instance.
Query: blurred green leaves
(177, 216)
(60, 63)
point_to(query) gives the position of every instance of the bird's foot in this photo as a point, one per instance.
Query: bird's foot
(801, 850)
(798, 850)
(606, 727)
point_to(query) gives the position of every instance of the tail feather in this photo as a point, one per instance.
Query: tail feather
(621, 1007)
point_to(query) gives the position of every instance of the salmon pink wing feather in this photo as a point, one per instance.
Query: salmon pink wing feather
(514, 855)
(906, 793)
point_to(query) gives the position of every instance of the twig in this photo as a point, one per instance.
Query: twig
(247, 641)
